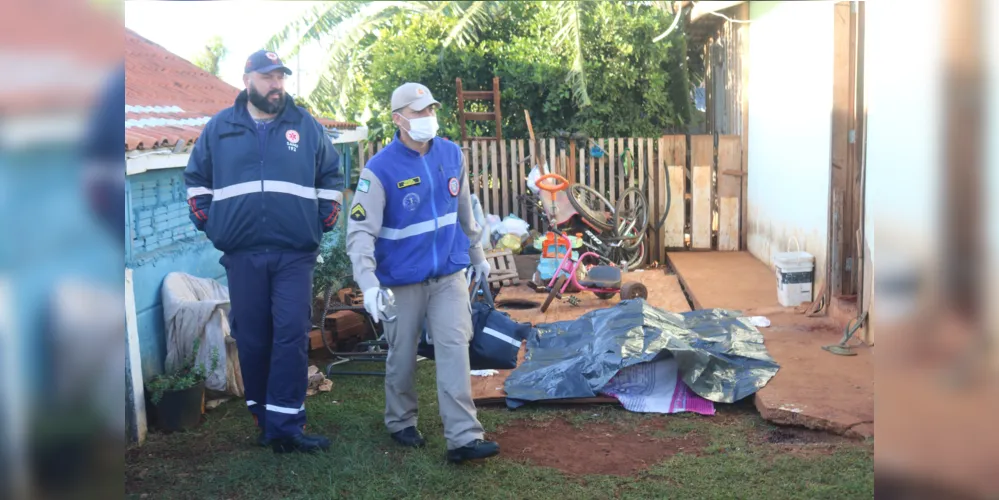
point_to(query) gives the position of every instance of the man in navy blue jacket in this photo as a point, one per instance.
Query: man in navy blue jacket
(264, 184)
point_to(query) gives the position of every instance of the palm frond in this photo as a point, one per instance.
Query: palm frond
(569, 33)
(347, 50)
(319, 22)
(470, 22)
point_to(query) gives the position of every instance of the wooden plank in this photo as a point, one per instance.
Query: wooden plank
(582, 166)
(497, 109)
(729, 190)
(483, 117)
(636, 152)
(657, 200)
(484, 168)
(701, 160)
(726, 280)
(650, 190)
(476, 177)
(478, 95)
(591, 171)
(533, 150)
(639, 152)
(515, 181)
(553, 157)
(563, 162)
(494, 181)
(664, 292)
(461, 108)
(543, 156)
(612, 170)
(840, 151)
(504, 177)
(602, 168)
(673, 159)
(622, 178)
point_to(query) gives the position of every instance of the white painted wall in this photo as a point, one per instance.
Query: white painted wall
(790, 127)
(903, 202)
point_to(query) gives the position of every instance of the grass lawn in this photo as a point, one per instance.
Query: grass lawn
(732, 454)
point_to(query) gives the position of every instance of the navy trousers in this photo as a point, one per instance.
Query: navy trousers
(271, 308)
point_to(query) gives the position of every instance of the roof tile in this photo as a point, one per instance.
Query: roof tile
(156, 77)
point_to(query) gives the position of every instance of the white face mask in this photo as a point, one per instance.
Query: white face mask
(422, 129)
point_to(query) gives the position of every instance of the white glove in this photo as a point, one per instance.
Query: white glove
(479, 271)
(372, 303)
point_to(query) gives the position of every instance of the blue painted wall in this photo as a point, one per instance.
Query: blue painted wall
(161, 240)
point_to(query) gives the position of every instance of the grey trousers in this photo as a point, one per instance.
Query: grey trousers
(445, 306)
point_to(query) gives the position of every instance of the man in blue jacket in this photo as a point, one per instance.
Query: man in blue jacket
(264, 184)
(411, 230)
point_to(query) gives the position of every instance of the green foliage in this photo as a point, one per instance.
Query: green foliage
(586, 66)
(189, 375)
(211, 55)
(334, 271)
(364, 463)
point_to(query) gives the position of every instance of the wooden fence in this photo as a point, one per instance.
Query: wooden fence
(705, 179)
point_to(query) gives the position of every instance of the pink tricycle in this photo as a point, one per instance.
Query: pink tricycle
(603, 280)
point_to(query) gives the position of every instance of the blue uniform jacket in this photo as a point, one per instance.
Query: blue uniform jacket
(279, 190)
(420, 237)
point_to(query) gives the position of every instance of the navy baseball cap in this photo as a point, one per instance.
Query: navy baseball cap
(264, 61)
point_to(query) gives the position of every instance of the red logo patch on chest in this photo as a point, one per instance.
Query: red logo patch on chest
(453, 186)
(292, 136)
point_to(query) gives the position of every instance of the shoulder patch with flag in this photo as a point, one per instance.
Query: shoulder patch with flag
(363, 185)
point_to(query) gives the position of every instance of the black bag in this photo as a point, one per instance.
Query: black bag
(496, 337)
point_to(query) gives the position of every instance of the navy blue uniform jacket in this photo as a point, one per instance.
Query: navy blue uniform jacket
(252, 192)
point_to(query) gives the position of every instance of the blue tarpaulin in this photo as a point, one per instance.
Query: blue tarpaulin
(720, 355)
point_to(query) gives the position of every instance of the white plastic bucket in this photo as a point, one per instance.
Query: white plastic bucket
(795, 274)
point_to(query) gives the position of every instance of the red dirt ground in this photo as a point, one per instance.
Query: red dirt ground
(594, 448)
(813, 388)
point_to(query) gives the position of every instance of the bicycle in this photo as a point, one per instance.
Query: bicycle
(604, 281)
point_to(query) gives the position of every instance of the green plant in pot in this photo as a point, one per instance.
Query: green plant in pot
(333, 270)
(176, 398)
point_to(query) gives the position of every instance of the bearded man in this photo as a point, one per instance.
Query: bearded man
(264, 184)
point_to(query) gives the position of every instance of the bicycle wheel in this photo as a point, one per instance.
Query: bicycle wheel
(632, 259)
(631, 218)
(638, 257)
(592, 206)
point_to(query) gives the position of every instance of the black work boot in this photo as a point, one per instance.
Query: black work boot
(475, 450)
(262, 440)
(409, 437)
(301, 443)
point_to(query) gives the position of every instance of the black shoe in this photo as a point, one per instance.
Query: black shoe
(475, 450)
(409, 437)
(301, 443)
(262, 440)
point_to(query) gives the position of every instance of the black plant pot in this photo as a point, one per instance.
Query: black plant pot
(179, 410)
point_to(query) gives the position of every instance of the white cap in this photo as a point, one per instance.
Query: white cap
(414, 95)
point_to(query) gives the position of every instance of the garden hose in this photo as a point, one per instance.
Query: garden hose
(662, 220)
(841, 349)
